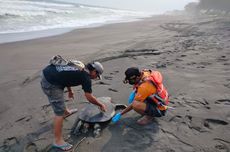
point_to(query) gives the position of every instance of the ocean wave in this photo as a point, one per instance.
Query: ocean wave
(19, 13)
(25, 16)
(27, 8)
(44, 4)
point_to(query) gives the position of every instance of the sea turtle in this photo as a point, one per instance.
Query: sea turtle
(90, 116)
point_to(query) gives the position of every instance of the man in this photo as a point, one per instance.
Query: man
(149, 98)
(55, 78)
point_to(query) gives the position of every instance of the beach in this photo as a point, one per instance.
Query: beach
(192, 53)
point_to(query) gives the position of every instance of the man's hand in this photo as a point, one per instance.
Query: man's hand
(93, 100)
(103, 107)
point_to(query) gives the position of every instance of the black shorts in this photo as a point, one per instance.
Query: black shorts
(152, 110)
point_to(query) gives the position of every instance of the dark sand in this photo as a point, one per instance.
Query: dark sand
(192, 53)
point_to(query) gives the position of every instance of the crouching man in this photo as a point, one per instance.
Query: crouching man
(149, 97)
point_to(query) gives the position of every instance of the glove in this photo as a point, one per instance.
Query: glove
(116, 118)
(131, 97)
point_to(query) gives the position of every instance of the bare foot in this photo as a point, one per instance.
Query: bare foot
(145, 120)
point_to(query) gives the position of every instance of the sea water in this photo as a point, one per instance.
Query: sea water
(27, 19)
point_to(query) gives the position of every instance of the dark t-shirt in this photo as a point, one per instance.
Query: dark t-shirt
(67, 76)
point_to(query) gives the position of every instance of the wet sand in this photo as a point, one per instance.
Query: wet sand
(192, 53)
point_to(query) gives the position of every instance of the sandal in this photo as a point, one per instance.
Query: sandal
(64, 147)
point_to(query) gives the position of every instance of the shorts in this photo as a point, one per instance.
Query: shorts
(152, 110)
(55, 96)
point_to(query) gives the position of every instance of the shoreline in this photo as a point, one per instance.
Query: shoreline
(31, 35)
(23, 36)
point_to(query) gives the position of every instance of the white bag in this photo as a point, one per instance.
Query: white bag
(59, 60)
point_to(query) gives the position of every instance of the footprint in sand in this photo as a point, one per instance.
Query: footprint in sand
(108, 78)
(113, 90)
(227, 84)
(114, 72)
(176, 118)
(8, 143)
(223, 101)
(199, 123)
(31, 147)
(191, 63)
(200, 67)
(222, 146)
(195, 123)
(161, 65)
(101, 83)
(205, 63)
(25, 118)
(210, 123)
(223, 58)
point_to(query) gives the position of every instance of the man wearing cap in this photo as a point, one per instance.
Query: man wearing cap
(149, 97)
(55, 78)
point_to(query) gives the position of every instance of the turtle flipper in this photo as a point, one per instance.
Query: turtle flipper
(97, 130)
(76, 129)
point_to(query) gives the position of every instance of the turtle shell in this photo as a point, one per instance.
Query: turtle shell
(92, 114)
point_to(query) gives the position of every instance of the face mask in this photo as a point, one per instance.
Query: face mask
(132, 81)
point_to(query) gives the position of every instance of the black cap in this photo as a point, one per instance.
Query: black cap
(130, 72)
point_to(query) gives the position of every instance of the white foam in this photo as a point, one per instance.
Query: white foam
(18, 16)
(27, 8)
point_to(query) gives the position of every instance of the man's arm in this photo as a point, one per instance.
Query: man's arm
(94, 100)
(129, 108)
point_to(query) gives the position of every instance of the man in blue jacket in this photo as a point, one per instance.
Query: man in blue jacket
(57, 77)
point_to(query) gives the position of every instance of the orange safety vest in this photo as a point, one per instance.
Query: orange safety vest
(161, 97)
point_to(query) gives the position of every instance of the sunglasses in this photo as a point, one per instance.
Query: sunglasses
(130, 80)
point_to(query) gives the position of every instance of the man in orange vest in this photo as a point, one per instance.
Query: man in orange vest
(149, 98)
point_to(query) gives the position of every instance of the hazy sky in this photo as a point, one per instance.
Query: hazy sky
(139, 5)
